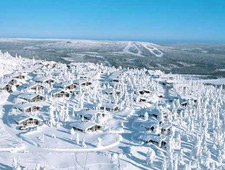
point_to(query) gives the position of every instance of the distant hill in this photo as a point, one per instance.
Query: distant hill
(184, 58)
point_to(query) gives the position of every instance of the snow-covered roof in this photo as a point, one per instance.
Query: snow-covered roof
(108, 105)
(33, 84)
(19, 100)
(151, 122)
(56, 91)
(15, 74)
(151, 136)
(2, 85)
(188, 97)
(90, 113)
(39, 72)
(85, 75)
(65, 84)
(19, 118)
(155, 72)
(80, 81)
(83, 125)
(28, 95)
(7, 80)
(42, 79)
(115, 75)
(166, 125)
(110, 90)
(26, 105)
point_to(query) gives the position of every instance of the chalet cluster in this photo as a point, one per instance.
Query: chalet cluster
(87, 96)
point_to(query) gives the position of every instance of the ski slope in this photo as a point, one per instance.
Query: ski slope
(152, 48)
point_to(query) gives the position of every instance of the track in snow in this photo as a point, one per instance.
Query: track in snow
(152, 48)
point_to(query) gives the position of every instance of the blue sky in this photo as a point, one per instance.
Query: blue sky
(148, 20)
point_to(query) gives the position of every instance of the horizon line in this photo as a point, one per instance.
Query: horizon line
(117, 39)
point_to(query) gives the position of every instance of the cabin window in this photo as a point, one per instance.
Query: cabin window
(116, 108)
(155, 115)
(142, 100)
(154, 142)
(163, 143)
(141, 92)
(78, 129)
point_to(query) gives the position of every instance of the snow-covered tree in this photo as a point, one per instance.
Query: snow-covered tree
(77, 138)
(99, 142)
(146, 116)
(83, 143)
(150, 157)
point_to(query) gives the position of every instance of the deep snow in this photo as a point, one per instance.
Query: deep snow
(142, 107)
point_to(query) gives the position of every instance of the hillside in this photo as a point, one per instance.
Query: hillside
(182, 58)
(91, 116)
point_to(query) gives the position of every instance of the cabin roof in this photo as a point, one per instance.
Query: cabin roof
(151, 136)
(151, 122)
(19, 118)
(33, 84)
(19, 100)
(65, 84)
(90, 113)
(15, 74)
(56, 91)
(28, 95)
(42, 79)
(166, 125)
(7, 80)
(26, 105)
(83, 125)
(108, 105)
(3, 84)
(108, 90)
(80, 81)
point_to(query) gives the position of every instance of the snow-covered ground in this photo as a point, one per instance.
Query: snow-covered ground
(90, 116)
(136, 48)
(218, 81)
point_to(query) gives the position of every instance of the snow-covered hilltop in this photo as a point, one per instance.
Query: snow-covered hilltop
(90, 116)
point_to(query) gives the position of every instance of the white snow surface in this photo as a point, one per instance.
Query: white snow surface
(150, 47)
(185, 116)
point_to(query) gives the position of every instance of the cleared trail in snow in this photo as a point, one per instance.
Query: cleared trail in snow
(152, 48)
(129, 45)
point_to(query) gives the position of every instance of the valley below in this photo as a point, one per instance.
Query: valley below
(176, 58)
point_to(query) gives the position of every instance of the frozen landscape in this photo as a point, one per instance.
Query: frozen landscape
(177, 58)
(90, 116)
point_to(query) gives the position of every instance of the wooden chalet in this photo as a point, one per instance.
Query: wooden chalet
(67, 85)
(83, 83)
(47, 80)
(6, 86)
(31, 97)
(109, 107)
(28, 107)
(60, 93)
(86, 127)
(25, 121)
(153, 138)
(35, 86)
